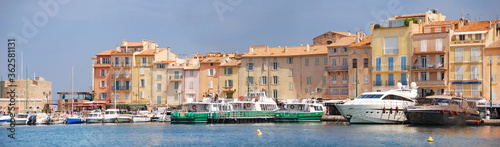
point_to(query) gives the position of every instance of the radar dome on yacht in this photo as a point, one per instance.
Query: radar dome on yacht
(413, 85)
(399, 85)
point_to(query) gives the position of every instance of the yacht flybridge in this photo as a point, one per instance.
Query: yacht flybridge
(380, 107)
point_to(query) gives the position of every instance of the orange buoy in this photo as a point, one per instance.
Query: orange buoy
(391, 110)
(456, 112)
(477, 122)
(397, 110)
(241, 98)
(384, 109)
(258, 98)
(451, 113)
(442, 111)
(465, 112)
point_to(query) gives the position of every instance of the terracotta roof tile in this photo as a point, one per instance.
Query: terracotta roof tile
(475, 26)
(164, 62)
(107, 52)
(494, 45)
(364, 43)
(231, 63)
(447, 22)
(150, 51)
(344, 41)
(291, 51)
(212, 60)
(134, 44)
(341, 33)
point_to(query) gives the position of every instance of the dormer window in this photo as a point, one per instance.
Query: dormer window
(329, 42)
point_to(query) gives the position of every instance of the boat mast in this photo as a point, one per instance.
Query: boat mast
(72, 98)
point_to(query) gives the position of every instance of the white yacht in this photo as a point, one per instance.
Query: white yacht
(95, 117)
(110, 115)
(141, 116)
(380, 107)
(21, 119)
(124, 118)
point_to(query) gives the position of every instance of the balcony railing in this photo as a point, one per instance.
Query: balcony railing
(418, 51)
(429, 66)
(467, 42)
(335, 68)
(387, 82)
(118, 88)
(390, 68)
(120, 76)
(175, 77)
(120, 64)
(430, 82)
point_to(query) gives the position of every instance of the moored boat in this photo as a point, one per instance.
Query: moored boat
(141, 117)
(124, 118)
(110, 115)
(442, 110)
(21, 119)
(300, 110)
(75, 119)
(380, 107)
(95, 117)
(4, 119)
(198, 112)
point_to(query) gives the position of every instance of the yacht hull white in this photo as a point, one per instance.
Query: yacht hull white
(94, 120)
(124, 119)
(141, 119)
(110, 120)
(372, 114)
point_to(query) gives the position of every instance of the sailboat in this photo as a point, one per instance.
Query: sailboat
(73, 119)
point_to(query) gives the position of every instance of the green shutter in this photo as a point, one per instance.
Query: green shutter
(278, 65)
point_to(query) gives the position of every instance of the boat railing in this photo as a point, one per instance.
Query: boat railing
(387, 104)
(241, 114)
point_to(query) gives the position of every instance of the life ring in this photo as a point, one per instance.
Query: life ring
(258, 98)
(236, 105)
(194, 107)
(301, 99)
(292, 106)
(241, 98)
(248, 105)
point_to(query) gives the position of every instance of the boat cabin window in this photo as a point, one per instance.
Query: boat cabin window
(395, 97)
(370, 96)
(301, 107)
(318, 108)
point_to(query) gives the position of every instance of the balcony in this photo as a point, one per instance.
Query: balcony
(120, 64)
(459, 42)
(433, 83)
(385, 68)
(336, 68)
(468, 94)
(120, 88)
(120, 76)
(431, 67)
(175, 77)
(328, 94)
(387, 83)
(418, 51)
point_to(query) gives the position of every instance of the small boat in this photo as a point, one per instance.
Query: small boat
(442, 110)
(75, 119)
(57, 119)
(200, 112)
(300, 110)
(21, 119)
(95, 117)
(124, 118)
(110, 115)
(380, 107)
(141, 116)
(41, 118)
(4, 119)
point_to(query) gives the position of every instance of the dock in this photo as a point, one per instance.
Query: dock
(333, 118)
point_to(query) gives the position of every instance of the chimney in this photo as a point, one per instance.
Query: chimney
(168, 53)
(286, 49)
(117, 48)
(157, 49)
(125, 43)
(250, 50)
(359, 36)
(267, 48)
(301, 44)
(307, 47)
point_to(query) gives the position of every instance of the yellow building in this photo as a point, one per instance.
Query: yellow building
(229, 78)
(467, 57)
(284, 72)
(492, 61)
(209, 75)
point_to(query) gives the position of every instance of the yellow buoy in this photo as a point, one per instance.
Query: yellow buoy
(258, 132)
(430, 139)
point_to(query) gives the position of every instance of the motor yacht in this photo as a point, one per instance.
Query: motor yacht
(110, 115)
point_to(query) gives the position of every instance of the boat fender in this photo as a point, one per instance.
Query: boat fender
(248, 105)
(465, 112)
(194, 107)
(442, 111)
(451, 113)
(241, 98)
(258, 98)
(384, 109)
(292, 106)
(301, 99)
(391, 110)
(236, 105)
(397, 110)
(456, 112)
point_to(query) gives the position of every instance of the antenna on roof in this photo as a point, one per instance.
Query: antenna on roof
(462, 12)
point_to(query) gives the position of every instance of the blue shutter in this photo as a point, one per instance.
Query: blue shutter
(378, 62)
(403, 78)
(391, 64)
(379, 81)
(403, 63)
(100, 95)
(391, 80)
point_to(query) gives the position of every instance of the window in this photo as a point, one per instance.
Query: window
(334, 50)
(211, 72)
(228, 70)
(160, 66)
(391, 45)
(390, 81)
(459, 55)
(142, 71)
(144, 62)
(423, 45)
(143, 83)
(365, 78)
(275, 58)
(461, 37)
(366, 50)
(365, 62)
(437, 29)
(403, 79)
(325, 60)
(104, 95)
(211, 64)
(264, 79)
(458, 73)
(127, 95)
(309, 80)
(176, 96)
(344, 63)
(289, 60)
(334, 91)
(345, 49)
(378, 61)
(439, 44)
(290, 86)
(334, 63)
(103, 72)
(263, 59)
(490, 58)
(290, 73)
(127, 61)
(324, 80)
(249, 66)
(474, 90)
(158, 99)
(458, 88)
(176, 85)
(158, 77)
(423, 76)
(354, 51)
(275, 94)
(211, 84)
(344, 79)
(334, 79)
(391, 64)
(276, 65)
(158, 87)
(191, 84)
(126, 85)
(104, 84)
(319, 90)
(249, 59)
(354, 63)
(191, 73)
(306, 90)
(306, 62)
(250, 80)
(276, 80)
(354, 79)
(229, 83)
(316, 61)
(478, 36)
(117, 73)
(142, 94)
(345, 91)
(127, 73)
(474, 56)
(403, 63)
(474, 73)
(105, 61)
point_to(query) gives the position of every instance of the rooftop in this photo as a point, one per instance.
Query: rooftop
(410, 15)
(107, 52)
(475, 26)
(364, 43)
(290, 51)
(150, 51)
(231, 63)
(212, 60)
(447, 22)
(494, 45)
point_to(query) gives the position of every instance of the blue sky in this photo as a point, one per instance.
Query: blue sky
(80, 29)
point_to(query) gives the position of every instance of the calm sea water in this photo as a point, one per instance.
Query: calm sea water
(283, 134)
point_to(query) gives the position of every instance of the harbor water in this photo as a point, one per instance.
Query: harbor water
(273, 134)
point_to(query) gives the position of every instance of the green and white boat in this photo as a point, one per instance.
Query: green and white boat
(299, 110)
(199, 112)
(254, 107)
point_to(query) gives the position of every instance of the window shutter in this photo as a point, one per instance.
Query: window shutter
(100, 95)
(419, 76)
(277, 80)
(247, 66)
(439, 76)
(260, 79)
(437, 60)
(428, 61)
(278, 65)
(423, 45)
(226, 83)
(427, 76)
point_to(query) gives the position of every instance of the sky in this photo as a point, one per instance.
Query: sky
(56, 35)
